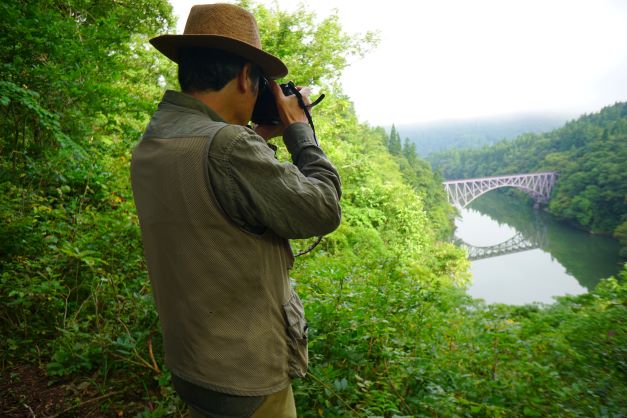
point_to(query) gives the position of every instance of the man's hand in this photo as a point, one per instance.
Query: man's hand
(289, 111)
(268, 132)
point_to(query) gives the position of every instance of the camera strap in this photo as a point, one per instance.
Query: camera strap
(306, 108)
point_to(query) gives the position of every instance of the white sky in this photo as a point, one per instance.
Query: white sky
(451, 59)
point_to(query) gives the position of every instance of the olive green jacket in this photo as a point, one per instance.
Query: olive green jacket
(215, 210)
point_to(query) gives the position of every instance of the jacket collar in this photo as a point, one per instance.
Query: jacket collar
(187, 103)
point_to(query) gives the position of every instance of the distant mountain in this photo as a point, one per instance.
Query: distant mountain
(475, 133)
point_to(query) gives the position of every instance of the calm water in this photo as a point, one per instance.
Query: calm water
(559, 259)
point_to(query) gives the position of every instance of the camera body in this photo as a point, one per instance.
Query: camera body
(265, 111)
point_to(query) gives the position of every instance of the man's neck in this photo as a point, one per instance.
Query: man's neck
(216, 102)
(225, 102)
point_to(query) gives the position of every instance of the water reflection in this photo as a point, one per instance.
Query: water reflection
(522, 278)
(516, 244)
(564, 260)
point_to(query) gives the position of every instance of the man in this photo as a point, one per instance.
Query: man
(216, 210)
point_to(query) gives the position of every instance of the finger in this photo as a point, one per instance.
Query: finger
(276, 89)
(305, 92)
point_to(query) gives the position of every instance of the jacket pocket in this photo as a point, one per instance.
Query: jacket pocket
(296, 329)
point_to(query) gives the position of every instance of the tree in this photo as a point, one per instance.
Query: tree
(394, 143)
(315, 53)
(409, 151)
(82, 53)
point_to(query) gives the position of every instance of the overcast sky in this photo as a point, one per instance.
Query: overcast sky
(452, 59)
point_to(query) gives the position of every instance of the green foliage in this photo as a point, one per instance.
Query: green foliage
(589, 155)
(409, 151)
(391, 330)
(417, 172)
(63, 65)
(394, 142)
(399, 347)
(620, 233)
(315, 52)
(77, 85)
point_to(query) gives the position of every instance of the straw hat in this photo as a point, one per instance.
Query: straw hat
(226, 27)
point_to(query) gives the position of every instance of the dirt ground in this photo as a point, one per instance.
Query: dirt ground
(27, 391)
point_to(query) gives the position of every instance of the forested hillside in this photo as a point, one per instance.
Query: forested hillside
(391, 329)
(432, 137)
(590, 155)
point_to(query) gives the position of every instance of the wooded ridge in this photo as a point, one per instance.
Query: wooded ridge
(589, 153)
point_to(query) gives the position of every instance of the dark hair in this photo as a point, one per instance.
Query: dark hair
(202, 69)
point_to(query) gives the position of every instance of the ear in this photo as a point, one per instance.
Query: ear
(244, 83)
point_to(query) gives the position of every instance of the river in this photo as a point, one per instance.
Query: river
(558, 259)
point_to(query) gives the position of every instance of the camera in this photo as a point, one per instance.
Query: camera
(265, 111)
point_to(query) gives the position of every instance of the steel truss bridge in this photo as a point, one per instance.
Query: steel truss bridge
(518, 243)
(538, 185)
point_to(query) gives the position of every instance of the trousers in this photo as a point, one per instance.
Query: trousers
(205, 403)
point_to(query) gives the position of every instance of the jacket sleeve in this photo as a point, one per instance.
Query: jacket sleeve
(257, 191)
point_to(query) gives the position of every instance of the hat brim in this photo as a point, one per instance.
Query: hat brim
(170, 45)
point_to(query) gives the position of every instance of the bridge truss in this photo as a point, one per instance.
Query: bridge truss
(515, 244)
(538, 185)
